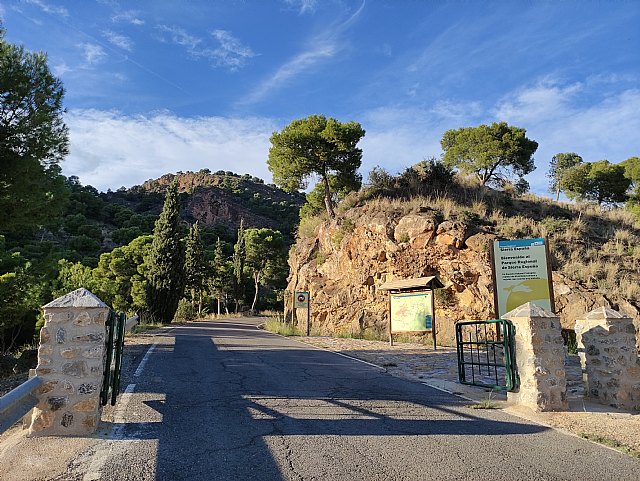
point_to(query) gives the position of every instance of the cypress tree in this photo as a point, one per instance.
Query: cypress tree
(194, 265)
(238, 266)
(166, 261)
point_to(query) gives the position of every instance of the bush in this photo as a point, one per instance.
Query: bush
(185, 312)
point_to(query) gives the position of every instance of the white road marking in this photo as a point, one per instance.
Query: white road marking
(108, 448)
(144, 361)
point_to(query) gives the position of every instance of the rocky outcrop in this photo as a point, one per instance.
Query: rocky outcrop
(344, 265)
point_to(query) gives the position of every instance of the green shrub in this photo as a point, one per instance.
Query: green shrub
(185, 312)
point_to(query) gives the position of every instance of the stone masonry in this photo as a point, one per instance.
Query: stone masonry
(610, 363)
(540, 357)
(71, 364)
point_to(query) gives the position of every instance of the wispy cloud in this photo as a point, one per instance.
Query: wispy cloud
(120, 41)
(93, 54)
(60, 69)
(321, 47)
(229, 53)
(303, 6)
(547, 98)
(49, 8)
(132, 17)
(109, 149)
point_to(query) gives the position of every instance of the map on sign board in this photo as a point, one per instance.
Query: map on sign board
(302, 300)
(411, 312)
(521, 274)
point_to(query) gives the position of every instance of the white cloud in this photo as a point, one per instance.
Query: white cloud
(303, 6)
(291, 69)
(180, 37)
(120, 41)
(49, 8)
(93, 53)
(59, 70)
(128, 16)
(109, 150)
(229, 52)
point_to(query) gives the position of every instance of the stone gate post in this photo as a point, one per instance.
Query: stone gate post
(609, 358)
(71, 363)
(540, 354)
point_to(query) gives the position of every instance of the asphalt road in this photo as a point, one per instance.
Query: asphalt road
(225, 401)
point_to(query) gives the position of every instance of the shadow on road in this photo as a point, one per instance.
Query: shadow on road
(232, 406)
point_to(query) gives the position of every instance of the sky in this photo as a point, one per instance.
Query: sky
(159, 86)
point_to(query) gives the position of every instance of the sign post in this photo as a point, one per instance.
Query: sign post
(302, 302)
(521, 273)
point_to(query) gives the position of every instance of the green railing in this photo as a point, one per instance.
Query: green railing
(114, 346)
(486, 354)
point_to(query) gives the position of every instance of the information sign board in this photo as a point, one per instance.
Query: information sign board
(521, 274)
(412, 312)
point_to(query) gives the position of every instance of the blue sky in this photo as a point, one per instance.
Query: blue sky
(159, 86)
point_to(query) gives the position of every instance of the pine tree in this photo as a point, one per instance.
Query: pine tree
(194, 266)
(239, 255)
(166, 261)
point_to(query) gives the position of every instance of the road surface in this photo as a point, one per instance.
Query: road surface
(226, 401)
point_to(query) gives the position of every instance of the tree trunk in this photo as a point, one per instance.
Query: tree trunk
(256, 280)
(200, 303)
(218, 305)
(327, 197)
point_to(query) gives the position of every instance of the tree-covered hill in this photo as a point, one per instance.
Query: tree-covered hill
(95, 222)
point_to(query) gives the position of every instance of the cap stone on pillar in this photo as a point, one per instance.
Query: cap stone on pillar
(528, 310)
(79, 298)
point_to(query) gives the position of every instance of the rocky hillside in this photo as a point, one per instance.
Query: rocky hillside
(343, 262)
(223, 198)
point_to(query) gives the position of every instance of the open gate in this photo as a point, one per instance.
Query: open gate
(114, 345)
(486, 354)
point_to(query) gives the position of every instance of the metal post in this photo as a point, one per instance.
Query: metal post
(433, 318)
(390, 334)
(309, 315)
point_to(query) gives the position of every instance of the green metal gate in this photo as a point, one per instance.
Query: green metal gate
(114, 345)
(486, 354)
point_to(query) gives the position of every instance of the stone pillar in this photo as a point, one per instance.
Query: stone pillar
(610, 364)
(540, 354)
(71, 363)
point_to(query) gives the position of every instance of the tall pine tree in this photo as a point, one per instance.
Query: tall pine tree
(166, 261)
(239, 256)
(195, 266)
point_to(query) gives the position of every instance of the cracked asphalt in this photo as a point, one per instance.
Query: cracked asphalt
(223, 400)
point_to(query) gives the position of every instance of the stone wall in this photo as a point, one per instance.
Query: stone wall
(540, 355)
(610, 363)
(71, 360)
